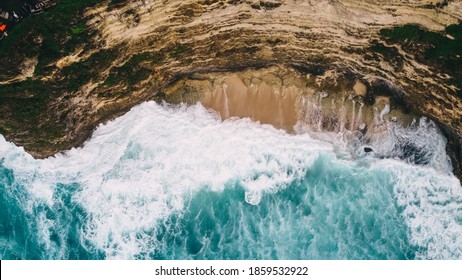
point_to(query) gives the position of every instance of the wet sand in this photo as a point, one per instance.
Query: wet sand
(285, 99)
(258, 102)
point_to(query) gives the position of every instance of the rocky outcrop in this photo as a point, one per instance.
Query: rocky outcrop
(141, 50)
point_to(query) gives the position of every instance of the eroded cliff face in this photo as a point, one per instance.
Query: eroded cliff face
(187, 51)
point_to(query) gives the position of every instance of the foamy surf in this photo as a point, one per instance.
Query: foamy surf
(176, 182)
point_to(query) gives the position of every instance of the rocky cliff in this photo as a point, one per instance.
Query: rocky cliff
(81, 64)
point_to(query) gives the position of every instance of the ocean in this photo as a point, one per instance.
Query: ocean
(176, 182)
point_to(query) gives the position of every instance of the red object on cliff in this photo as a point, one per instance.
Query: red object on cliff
(3, 27)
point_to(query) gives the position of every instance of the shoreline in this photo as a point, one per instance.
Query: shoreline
(103, 60)
(286, 99)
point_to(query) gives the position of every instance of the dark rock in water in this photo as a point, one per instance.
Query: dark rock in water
(368, 150)
(412, 153)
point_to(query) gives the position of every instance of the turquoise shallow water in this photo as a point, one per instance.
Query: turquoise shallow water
(346, 219)
(333, 220)
(176, 183)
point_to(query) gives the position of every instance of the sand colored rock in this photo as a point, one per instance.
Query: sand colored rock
(285, 99)
(360, 89)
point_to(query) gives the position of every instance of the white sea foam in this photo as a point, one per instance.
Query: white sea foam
(143, 167)
(432, 205)
(140, 167)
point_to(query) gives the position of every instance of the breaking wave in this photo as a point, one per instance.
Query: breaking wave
(175, 182)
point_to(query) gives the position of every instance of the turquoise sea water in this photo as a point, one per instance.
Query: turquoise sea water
(176, 183)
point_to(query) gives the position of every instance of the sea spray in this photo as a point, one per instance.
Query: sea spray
(174, 182)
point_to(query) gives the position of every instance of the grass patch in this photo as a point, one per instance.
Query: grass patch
(135, 70)
(27, 88)
(48, 35)
(390, 54)
(435, 45)
(26, 104)
(78, 28)
(80, 73)
(18, 40)
(432, 48)
(387, 52)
